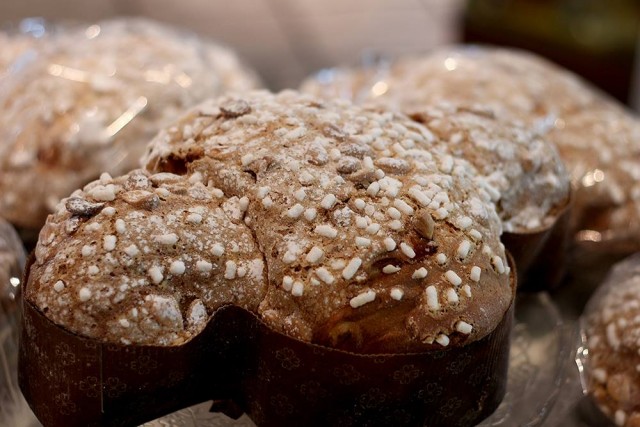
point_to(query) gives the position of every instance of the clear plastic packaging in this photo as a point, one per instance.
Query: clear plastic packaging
(89, 101)
(540, 352)
(13, 409)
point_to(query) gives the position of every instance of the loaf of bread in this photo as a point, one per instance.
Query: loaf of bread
(596, 138)
(91, 101)
(336, 225)
(613, 341)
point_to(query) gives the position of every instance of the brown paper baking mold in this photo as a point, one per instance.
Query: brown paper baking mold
(244, 366)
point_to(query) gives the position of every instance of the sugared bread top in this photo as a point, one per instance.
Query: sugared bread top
(336, 225)
(143, 258)
(489, 102)
(526, 177)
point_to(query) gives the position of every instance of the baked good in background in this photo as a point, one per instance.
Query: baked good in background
(337, 226)
(612, 331)
(595, 137)
(91, 101)
(514, 84)
(529, 182)
(526, 178)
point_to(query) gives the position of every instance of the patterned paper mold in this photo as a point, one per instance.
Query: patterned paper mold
(541, 343)
(246, 366)
(91, 101)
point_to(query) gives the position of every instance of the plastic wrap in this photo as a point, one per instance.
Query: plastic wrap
(13, 409)
(541, 348)
(609, 355)
(90, 100)
(245, 366)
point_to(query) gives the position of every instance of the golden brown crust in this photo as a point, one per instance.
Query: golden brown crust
(336, 195)
(144, 259)
(91, 100)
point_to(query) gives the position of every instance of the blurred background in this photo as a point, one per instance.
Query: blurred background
(285, 40)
